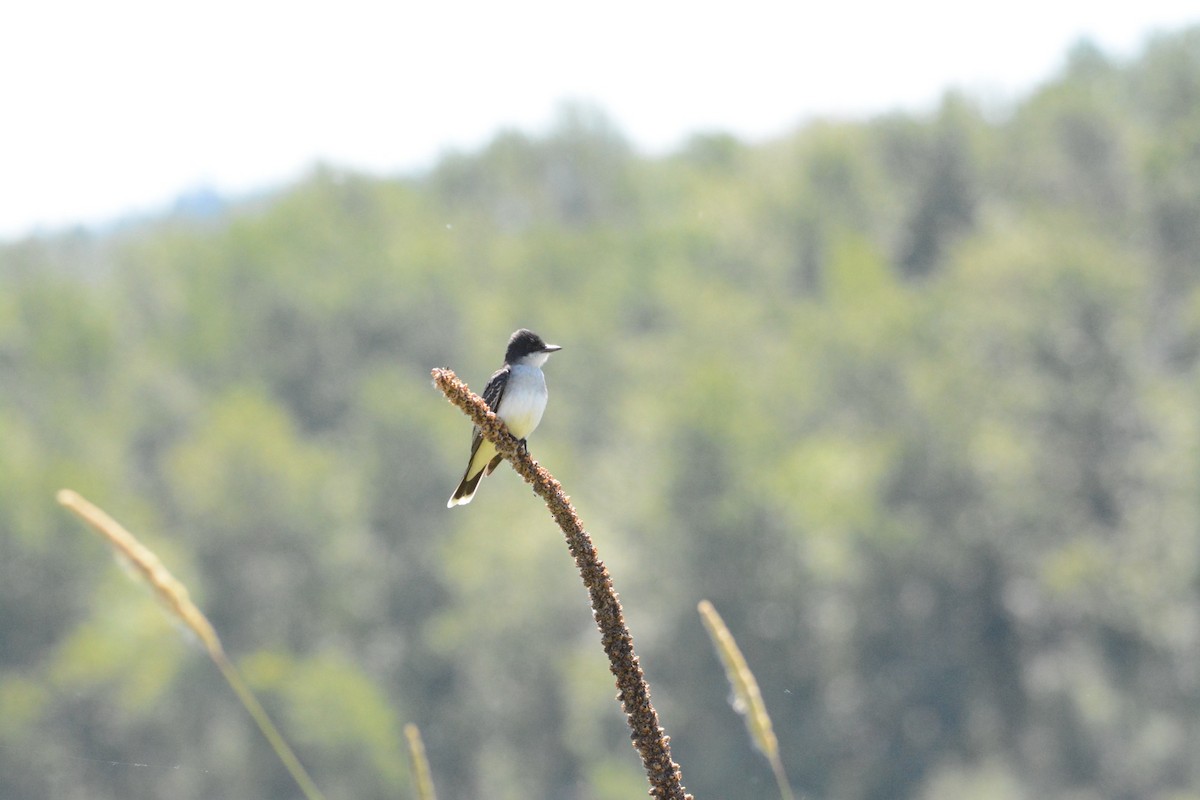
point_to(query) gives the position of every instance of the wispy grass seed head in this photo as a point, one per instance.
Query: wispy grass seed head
(747, 697)
(145, 564)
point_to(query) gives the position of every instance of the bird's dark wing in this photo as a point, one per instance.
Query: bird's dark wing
(495, 387)
(491, 395)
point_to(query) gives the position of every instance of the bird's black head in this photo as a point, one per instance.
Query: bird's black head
(524, 343)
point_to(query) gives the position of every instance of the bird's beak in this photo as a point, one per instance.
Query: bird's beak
(551, 348)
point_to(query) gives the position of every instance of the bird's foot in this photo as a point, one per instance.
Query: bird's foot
(524, 446)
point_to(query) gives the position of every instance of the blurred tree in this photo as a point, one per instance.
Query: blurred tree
(947, 193)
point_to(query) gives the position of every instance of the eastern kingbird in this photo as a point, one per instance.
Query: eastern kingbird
(517, 394)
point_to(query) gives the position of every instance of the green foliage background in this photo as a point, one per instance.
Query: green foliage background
(913, 401)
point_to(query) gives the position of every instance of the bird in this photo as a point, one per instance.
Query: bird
(517, 394)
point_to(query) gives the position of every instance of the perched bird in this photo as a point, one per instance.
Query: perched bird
(517, 394)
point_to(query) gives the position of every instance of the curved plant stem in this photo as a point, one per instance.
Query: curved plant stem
(651, 742)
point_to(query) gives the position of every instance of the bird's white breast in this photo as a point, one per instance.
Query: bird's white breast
(524, 400)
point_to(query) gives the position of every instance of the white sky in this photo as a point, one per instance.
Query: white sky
(117, 106)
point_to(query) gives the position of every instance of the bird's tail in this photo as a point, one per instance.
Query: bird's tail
(465, 492)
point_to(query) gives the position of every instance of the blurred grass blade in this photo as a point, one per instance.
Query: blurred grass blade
(749, 702)
(421, 776)
(146, 564)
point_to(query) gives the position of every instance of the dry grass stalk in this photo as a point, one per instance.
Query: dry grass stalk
(421, 775)
(175, 595)
(749, 700)
(650, 740)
